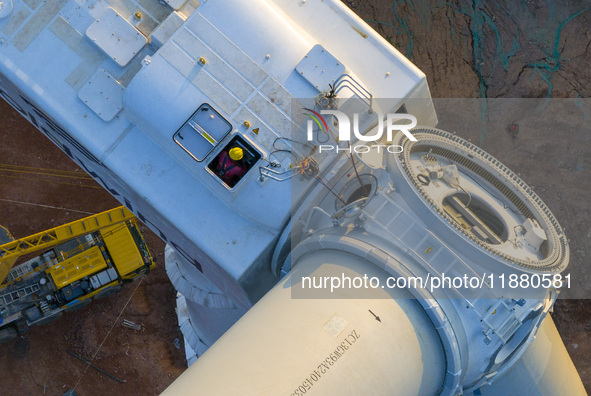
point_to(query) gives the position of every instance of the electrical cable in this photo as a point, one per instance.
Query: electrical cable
(357, 173)
(108, 333)
(494, 196)
(45, 206)
(51, 181)
(44, 171)
(330, 189)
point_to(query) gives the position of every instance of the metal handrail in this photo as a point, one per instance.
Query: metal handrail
(355, 87)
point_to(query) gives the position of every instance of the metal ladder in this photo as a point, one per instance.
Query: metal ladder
(9, 298)
(19, 271)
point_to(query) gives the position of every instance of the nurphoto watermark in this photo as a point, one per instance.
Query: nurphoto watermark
(389, 125)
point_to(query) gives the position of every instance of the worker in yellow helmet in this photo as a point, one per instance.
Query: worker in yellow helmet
(236, 153)
(230, 167)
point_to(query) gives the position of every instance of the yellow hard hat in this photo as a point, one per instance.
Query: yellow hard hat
(236, 153)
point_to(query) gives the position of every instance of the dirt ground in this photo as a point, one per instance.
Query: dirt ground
(41, 188)
(506, 49)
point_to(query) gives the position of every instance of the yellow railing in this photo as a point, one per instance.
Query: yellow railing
(11, 251)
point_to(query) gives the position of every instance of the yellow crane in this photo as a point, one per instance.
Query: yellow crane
(85, 259)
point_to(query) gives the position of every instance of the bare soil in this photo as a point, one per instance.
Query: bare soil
(35, 197)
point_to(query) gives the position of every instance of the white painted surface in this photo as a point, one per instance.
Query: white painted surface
(282, 346)
(116, 37)
(103, 94)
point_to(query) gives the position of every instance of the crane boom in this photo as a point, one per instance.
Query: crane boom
(11, 251)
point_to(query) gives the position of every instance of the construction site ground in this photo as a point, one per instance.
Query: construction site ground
(41, 188)
(505, 49)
